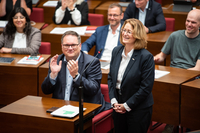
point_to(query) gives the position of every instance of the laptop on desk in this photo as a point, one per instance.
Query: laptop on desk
(182, 5)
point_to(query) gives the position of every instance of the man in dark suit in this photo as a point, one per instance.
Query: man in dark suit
(106, 37)
(149, 13)
(65, 71)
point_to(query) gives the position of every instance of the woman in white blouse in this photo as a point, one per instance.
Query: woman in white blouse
(131, 79)
(71, 12)
(19, 37)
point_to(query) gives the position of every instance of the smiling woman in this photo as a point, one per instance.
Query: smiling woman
(130, 80)
(19, 36)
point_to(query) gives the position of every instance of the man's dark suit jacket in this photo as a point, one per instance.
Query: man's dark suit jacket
(154, 20)
(83, 8)
(91, 82)
(137, 81)
(97, 39)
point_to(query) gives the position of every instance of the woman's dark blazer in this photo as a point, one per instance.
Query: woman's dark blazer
(137, 81)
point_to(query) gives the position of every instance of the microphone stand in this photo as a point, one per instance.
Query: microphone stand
(81, 96)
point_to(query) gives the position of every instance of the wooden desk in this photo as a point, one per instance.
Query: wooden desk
(155, 43)
(18, 80)
(49, 11)
(190, 101)
(28, 115)
(166, 2)
(55, 39)
(43, 71)
(180, 17)
(166, 94)
(103, 9)
(36, 25)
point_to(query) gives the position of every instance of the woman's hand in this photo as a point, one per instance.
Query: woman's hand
(119, 108)
(5, 50)
(67, 3)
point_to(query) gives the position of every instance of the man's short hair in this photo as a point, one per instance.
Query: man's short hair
(115, 5)
(73, 33)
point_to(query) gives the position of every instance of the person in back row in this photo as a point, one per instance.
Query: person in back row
(106, 37)
(149, 13)
(184, 48)
(19, 37)
(6, 6)
(71, 12)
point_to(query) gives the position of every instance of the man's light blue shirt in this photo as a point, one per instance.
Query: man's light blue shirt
(142, 14)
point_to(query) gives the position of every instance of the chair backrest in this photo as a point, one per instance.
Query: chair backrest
(170, 22)
(96, 19)
(45, 48)
(105, 92)
(37, 15)
(159, 1)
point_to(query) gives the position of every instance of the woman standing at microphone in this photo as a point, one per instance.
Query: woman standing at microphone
(131, 79)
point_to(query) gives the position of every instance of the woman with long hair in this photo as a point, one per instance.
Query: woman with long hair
(19, 37)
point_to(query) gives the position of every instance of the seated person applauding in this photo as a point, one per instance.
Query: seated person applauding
(65, 70)
(6, 6)
(71, 12)
(19, 37)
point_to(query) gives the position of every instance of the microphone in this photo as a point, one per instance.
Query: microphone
(81, 95)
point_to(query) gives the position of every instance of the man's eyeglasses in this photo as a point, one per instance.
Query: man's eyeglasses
(114, 15)
(126, 31)
(20, 17)
(68, 46)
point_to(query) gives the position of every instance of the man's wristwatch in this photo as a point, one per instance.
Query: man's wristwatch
(75, 76)
(72, 10)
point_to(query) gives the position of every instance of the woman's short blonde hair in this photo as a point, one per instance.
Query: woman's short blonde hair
(139, 33)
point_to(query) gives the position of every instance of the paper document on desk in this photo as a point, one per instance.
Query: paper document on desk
(68, 111)
(159, 73)
(51, 3)
(3, 23)
(79, 30)
(25, 60)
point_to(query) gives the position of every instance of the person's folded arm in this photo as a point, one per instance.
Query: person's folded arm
(197, 66)
(89, 43)
(76, 16)
(59, 15)
(27, 6)
(3, 8)
(159, 57)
